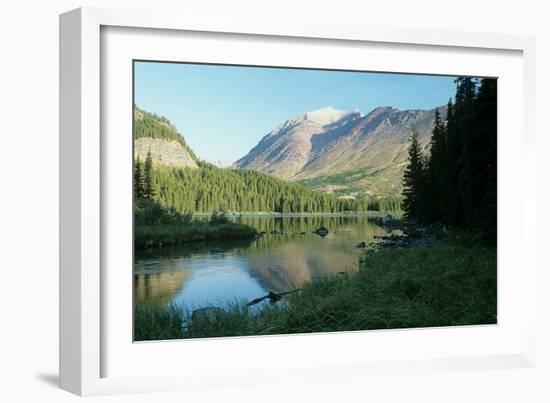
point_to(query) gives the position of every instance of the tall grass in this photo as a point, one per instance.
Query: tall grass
(445, 285)
(175, 234)
(153, 322)
(160, 226)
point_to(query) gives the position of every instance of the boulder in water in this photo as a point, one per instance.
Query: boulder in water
(322, 230)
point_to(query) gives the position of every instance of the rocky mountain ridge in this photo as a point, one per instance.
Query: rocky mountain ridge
(155, 134)
(342, 152)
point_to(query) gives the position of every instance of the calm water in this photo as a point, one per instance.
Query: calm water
(217, 274)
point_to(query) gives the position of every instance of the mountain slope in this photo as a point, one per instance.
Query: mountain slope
(342, 152)
(157, 135)
(183, 182)
(286, 149)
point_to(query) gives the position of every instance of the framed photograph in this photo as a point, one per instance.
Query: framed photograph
(248, 201)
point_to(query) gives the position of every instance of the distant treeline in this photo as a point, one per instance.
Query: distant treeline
(457, 183)
(208, 188)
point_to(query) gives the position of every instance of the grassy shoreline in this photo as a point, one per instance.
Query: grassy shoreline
(156, 226)
(450, 283)
(175, 234)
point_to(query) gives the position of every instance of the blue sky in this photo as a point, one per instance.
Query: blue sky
(223, 111)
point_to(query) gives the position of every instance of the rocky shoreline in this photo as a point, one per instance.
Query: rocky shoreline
(412, 236)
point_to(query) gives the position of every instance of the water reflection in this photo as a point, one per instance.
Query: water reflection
(158, 287)
(288, 254)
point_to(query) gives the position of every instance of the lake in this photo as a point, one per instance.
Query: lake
(286, 255)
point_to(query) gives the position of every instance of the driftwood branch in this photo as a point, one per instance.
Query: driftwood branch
(272, 296)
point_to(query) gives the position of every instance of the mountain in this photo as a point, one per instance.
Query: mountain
(156, 134)
(287, 149)
(342, 152)
(182, 181)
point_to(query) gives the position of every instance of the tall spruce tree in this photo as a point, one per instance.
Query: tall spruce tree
(457, 183)
(149, 191)
(451, 205)
(484, 161)
(464, 115)
(139, 179)
(413, 179)
(435, 170)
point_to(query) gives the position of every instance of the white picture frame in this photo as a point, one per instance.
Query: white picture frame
(86, 311)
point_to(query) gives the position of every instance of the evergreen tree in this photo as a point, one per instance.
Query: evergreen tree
(413, 179)
(485, 160)
(148, 191)
(464, 115)
(435, 168)
(451, 206)
(457, 183)
(139, 179)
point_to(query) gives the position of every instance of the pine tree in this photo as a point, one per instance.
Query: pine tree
(484, 162)
(464, 115)
(457, 184)
(148, 189)
(413, 179)
(435, 170)
(139, 179)
(451, 205)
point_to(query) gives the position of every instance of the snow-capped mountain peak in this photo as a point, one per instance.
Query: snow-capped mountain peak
(327, 115)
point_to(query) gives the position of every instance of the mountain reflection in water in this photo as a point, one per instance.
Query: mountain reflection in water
(288, 254)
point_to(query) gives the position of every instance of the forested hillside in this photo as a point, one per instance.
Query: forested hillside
(209, 189)
(188, 185)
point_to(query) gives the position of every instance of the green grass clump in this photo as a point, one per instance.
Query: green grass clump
(175, 234)
(447, 284)
(156, 225)
(154, 322)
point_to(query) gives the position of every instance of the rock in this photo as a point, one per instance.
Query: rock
(167, 152)
(207, 313)
(361, 244)
(276, 233)
(322, 231)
